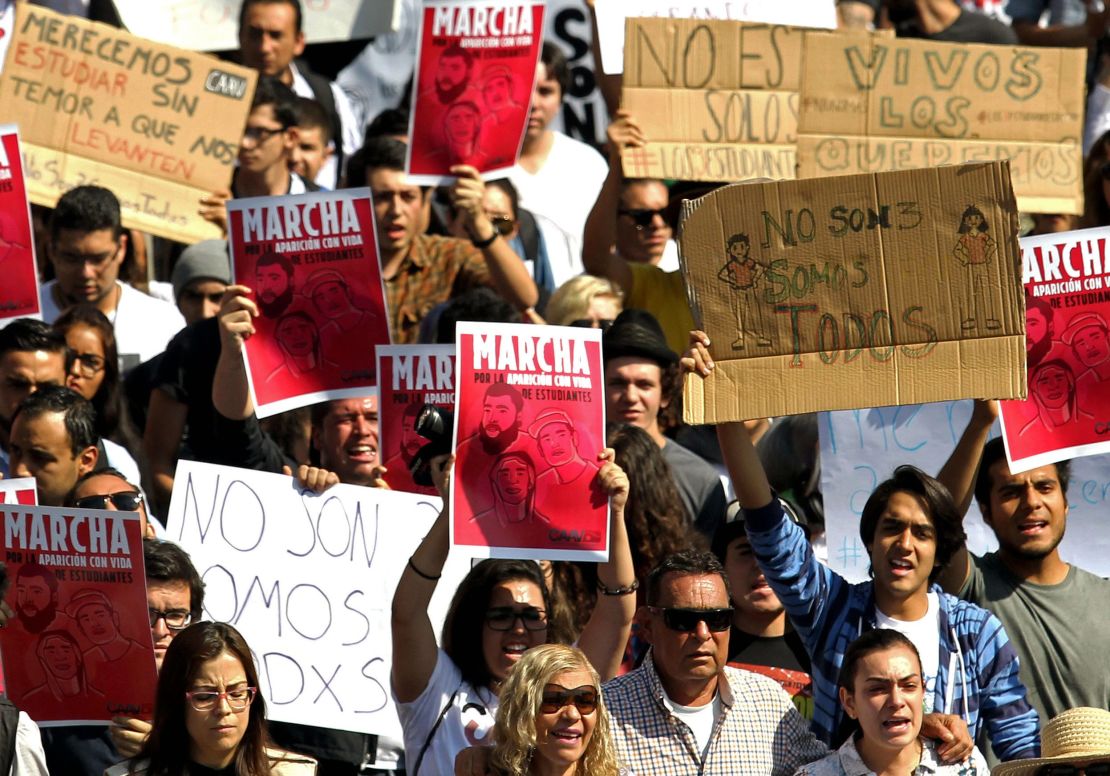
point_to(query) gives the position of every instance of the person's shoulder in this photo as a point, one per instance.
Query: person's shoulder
(286, 763)
(674, 452)
(626, 690)
(150, 304)
(748, 686)
(567, 149)
(829, 765)
(1095, 584)
(438, 245)
(124, 769)
(967, 617)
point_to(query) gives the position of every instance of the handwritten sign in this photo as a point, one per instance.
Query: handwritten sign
(861, 448)
(159, 126)
(20, 297)
(718, 100)
(79, 649)
(19, 490)
(213, 25)
(611, 16)
(309, 581)
(870, 105)
(858, 291)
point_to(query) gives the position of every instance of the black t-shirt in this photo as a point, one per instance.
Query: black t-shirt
(782, 658)
(969, 27)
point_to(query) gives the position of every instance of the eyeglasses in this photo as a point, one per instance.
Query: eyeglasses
(503, 224)
(1065, 769)
(260, 134)
(238, 699)
(176, 619)
(502, 618)
(591, 323)
(686, 620)
(642, 216)
(584, 699)
(124, 501)
(81, 259)
(88, 364)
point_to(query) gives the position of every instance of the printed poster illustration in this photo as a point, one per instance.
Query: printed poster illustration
(20, 296)
(312, 263)
(78, 650)
(410, 377)
(1067, 324)
(529, 426)
(473, 86)
(19, 490)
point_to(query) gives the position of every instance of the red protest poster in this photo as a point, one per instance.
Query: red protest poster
(1067, 316)
(78, 649)
(312, 263)
(20, 490)
(473, 86)
(410, 377)
(19, 289)
(530, 422)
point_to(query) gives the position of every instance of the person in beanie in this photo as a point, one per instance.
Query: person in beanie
(200, 277)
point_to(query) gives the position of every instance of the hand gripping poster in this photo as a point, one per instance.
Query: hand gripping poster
(78, 650)
(475, 67)
(529, 425)
(1067, 329)
(19, 285)
(412, 376)
(311, 261)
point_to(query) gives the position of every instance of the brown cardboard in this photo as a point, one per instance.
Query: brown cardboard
(717, 99)
(869, 105)
(157, 125)
(860, 294)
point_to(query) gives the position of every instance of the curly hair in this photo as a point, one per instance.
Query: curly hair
(521, 695)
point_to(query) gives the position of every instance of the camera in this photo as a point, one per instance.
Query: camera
(436, 425)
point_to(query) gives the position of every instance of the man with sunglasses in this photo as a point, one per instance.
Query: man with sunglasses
(109, 489)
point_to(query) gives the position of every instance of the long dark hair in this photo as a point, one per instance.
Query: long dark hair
(167, 747)
(106, 402)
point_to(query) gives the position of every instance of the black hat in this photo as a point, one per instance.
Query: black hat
(637, 333)
(733, 526)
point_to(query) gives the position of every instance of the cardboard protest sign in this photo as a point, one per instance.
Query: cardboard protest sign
(857, 291)
(717, 100)
(528, 427)
(611, 16)
(20, 295)
(1067, 314)
(312, 262)
(870, 105)
(159, 126)
(475, 65)
(19, 490)
(309, 580)
(213, 25)
(411, 376)
(78, 650)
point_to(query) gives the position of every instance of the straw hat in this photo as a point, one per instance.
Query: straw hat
(1076, 736)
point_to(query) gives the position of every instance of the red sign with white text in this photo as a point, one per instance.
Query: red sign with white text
(19, 490)
(79, 649)
(1067, 315)
(473, 86)
(410, 377)
(20, 294)
(312, 263)
(529, 425)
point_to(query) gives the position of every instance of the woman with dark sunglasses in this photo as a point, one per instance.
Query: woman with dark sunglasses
(552, 719)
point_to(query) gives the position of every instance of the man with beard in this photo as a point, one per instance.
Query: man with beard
(1039, 330)
(498, 432)
(452, 79)
(570, 487)
(273, 283)
(397, 466)
(36, 597)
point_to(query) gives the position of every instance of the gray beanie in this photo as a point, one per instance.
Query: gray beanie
(207, 260)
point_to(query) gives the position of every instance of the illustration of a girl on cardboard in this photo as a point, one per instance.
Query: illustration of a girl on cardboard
(976, 251)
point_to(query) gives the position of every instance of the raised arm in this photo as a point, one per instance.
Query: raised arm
(230, 391)
(605, 636)
(599, 237)
(165, 426)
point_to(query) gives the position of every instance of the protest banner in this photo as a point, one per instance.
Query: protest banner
(308, 579)
(19, 490)
(529, 424)
(78, 650)
(611, 16)
(870, 105)
(411, 376)
(717, 100)
(475, 66)
(20, 297)
(312, 262)
(1067, 315)
(213, 25)
(159, 126)
(856, 291)
(861, 448)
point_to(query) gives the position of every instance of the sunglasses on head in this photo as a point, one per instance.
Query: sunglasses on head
(642, 216)
(503, 618)
(686, 620)
(584, 699)
(124, 501)
(1065, 769)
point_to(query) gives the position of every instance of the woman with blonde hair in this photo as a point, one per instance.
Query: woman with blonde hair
(552, 720)
(586, 301)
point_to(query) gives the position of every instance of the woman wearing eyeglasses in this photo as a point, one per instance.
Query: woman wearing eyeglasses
(447, 698)
(209, 718)
(551, 721)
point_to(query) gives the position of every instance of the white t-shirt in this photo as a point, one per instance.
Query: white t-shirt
(699, 719)
(468, 721)
(144, 325)
(925, 635)
(564, 189)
